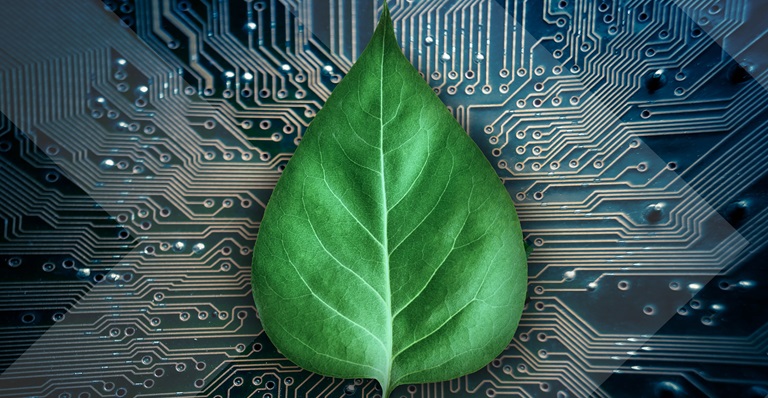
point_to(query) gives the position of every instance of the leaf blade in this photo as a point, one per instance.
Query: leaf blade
(398, 204)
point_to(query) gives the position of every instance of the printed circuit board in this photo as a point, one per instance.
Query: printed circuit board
(140, 141)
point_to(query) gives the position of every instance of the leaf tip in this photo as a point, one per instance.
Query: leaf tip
(384, 12)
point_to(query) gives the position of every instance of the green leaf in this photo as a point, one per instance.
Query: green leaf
(389, 249)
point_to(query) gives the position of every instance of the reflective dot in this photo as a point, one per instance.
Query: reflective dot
(746, 283)
(694, 286)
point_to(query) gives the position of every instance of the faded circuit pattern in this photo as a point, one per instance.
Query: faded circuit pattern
(139, 142)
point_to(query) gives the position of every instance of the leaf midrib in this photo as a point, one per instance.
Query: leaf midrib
(385, 214)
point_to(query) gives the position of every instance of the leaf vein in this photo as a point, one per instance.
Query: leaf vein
(413, 183)
(330, 307)
(351, 128)
(287, 331)
(319, 240)
(437, 203)
(349, 158)
(435, 271)
(474, 299)
(451, 317)
(341, 202)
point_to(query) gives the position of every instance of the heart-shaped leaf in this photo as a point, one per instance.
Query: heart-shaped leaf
(389, 248)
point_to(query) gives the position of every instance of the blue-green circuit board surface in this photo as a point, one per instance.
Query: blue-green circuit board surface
(140, 141)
